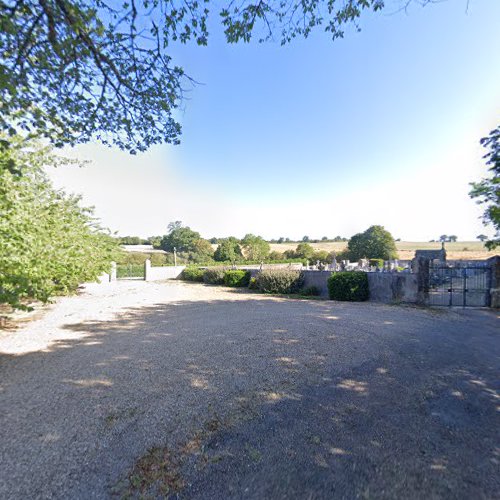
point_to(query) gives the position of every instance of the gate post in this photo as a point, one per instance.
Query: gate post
(112, 275)
(147, 269)
(494, 264)
(420, 266)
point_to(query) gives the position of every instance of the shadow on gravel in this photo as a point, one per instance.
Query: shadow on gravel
(264, 399)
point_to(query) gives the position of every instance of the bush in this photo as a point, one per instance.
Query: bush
(237, 277)
(280, 281)
(377, 263)
(350, 286)
(193, 274)
(214, 275)
(252, 284)
(311, 291)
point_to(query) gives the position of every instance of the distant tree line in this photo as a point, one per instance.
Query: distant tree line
(190, 247)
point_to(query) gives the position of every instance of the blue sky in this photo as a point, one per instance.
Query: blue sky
(319, 137)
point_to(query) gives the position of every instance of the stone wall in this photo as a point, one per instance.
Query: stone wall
(318, 279)
(161, 273)
(393, 287)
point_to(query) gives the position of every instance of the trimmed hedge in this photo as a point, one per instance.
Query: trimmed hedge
(349, 286)
(237, 277)
(193, 274)
(280, 281)
(214, 275)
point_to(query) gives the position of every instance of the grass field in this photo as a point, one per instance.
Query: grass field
(461, 250)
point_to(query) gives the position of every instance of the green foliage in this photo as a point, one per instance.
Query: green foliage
(255, 247)
(374, 243)
(349, 286)
(49, 244)
(280, 281)
(157, 259)
(183, 239)
(322, 255)
(377, 263)
(155, 241)
(132, 240)
(74, 70)
(130, 271)
(304, 251)
(274, 255)
(229, 250)
(193, 274)
(487, 191)
(237, 277)
(214, 275)
(252, 284)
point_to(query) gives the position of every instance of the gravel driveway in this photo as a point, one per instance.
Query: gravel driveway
(190, 391)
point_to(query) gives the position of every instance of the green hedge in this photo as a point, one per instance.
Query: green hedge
(214, 275)
(377, 263)
(350, 286)
(193, 274)
(237, 277)
(280, 281)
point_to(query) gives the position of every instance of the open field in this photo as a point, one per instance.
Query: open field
(156, 390)
(461, 250)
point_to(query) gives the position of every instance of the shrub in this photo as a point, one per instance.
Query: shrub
(214, 275)
(280, 280)
(350, 286)
(252, 284)
(236, 277)
(377, 263)
(193, 274)
(312, 291)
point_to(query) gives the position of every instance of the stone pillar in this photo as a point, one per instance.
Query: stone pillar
(494, 264)
(147, 269)
(112, 275)
(420, 267)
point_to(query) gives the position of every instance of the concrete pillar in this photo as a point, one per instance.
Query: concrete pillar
(112, 275)
(147, 269)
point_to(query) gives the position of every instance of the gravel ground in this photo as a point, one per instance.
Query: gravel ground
(183, 390)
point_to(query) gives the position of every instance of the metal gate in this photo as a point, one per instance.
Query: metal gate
(130, 271)
(467, 286)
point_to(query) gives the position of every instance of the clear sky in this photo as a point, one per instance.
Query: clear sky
(319, 138)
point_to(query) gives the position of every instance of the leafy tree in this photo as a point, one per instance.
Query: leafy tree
(179, 237)
(321, 255)
(255, 247)
(274, 255)
(155, 241)
(443, 237)
(325, 238)
(374, 243)
(49, 244)
(203, 250)
(304, 251)
(452, 238)
(305, 238)
(130, 240)
(229, 250)
(213, 240)
(281, 239)
(487, 191)
(482, 237)
(73, 70)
